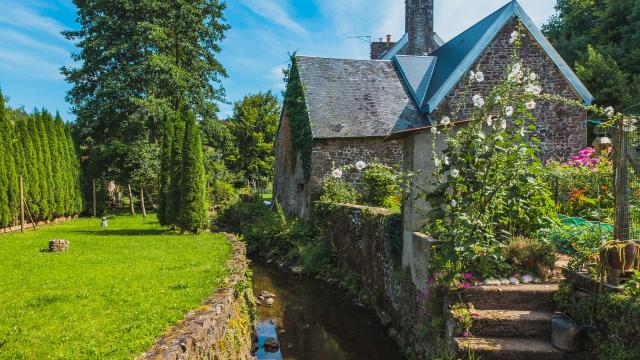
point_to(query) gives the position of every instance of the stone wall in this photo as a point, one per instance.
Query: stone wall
(222, 328)
(38, 223)
(295, 193)
(369, 243)
(562, 129)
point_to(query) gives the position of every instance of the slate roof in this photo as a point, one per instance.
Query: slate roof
(356, 98)
(417, 72)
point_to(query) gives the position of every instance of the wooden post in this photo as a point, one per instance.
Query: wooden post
(144, 210)
(21, 204)
(621, 184)
(133, 210)
(95, 212)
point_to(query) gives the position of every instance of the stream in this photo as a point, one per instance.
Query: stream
(314, 320)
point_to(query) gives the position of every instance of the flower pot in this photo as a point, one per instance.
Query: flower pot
(621, 260)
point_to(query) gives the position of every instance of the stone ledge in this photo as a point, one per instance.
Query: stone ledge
(221, 328)
(38, 223)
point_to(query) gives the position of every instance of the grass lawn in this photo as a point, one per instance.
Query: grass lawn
(114, 291)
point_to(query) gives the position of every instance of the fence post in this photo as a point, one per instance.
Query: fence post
(621, 184)
(94, 198)
(21, 204)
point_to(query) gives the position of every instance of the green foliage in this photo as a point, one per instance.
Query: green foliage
(295, 107)
(166, 163)
(488, 183)
(530, 255)
(464, 315)
(125, 284)
(222, 194)
(581, 242)
(37, 148)
(583, 190)
(193, 214)
(137, 62)
(175, 171)
(253, 127)
(338, 191)
(600, 38)
(381, 185)
(277, 236)
(616, 320)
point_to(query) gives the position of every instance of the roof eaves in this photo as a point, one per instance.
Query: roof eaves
(565, 69)
(470, 59)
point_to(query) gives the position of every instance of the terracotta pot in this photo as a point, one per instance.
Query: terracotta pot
(616, 261)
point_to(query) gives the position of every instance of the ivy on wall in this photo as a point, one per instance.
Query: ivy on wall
(296, 112)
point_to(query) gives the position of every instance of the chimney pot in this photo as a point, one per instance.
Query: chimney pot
(389, 39)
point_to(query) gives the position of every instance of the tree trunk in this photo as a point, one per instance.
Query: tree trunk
(144, 210)
(133, 210)
(95, 212)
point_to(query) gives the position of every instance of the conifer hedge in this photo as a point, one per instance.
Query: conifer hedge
(39, 148)
(183, 201)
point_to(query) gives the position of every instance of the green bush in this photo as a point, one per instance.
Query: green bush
(338, 191)
(381, 185)
(531, 255)
(273, 234)
(581, 242)
(222, 194)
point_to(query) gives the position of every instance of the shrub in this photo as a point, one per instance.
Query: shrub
(336, 190)
(581, 242)
(532, 255)
(381, 185)
(222, 194)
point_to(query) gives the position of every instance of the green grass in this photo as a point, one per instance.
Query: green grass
(110, 296)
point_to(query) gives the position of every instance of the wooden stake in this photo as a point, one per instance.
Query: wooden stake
(21, 205)
(133, 210)
(144, 210)
(621, 184)
(95, 212)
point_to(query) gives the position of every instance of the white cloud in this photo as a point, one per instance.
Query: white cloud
(18, 16)
(269, 9)
(30, 66)
(22, 40)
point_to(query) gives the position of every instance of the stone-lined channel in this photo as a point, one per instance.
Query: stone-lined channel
(315, 320)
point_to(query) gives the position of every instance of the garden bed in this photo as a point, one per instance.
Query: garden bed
(110, 295)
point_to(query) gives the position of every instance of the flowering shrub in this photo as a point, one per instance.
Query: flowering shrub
(464, 315)
(583, 186)
(334, 189)
(488, 185)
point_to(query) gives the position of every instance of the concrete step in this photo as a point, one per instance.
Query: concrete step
(512, 323)
(509, 349)
(535, 297)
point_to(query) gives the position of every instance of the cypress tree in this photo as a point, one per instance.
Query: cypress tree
(74, 160)
(193, 208)
(9, 138)
(48, 187)
(65, 167)
(165, 171)
(32, 164)
(5, 211)
(56, 166)
(175, 170)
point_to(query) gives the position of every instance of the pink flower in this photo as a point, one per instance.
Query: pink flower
(475, 315)
(467, 276)
(465, 285)
(465, 334)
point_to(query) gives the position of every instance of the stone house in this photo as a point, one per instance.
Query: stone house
(384, 108)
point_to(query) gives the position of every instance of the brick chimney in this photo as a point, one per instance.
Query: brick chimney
(419, 27)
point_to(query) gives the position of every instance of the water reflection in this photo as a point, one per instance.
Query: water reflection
(314, 320)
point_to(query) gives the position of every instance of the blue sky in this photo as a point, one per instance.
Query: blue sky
(254, 52)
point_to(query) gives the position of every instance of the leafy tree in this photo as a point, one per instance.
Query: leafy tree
(143, 163)
(601, 38)
(253, 126)
(193, 207)
(139, 60)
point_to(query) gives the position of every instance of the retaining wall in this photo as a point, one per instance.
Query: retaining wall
(369, 243)
(38, 223)
(222, 328)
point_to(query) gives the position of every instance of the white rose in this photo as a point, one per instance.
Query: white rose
(610, 111)
(454, 203)
(445, 121)
(503, 124)
(360, 165)
(531, 105)
(489, 120)
(336, 173)
(455, 173)
(514, 37)
(533, 76)
(472, 75)
(446, 160)
(479, 76)
(434, 130)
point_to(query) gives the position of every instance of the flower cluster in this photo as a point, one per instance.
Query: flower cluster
(585, 157)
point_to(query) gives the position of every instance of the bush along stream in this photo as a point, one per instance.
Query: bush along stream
(308, 307)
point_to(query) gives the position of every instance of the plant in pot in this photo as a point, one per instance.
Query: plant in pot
(619, 258)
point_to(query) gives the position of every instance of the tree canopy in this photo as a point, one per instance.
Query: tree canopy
(601, 39)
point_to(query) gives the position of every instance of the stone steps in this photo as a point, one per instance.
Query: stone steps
(534, 297)
(509, 349)
(512, 323)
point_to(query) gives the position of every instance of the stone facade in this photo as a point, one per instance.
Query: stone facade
(562, 129)
(222, 328)
(378, 48)
(295, 192)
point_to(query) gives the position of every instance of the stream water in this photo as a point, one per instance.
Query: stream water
(314, 320)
